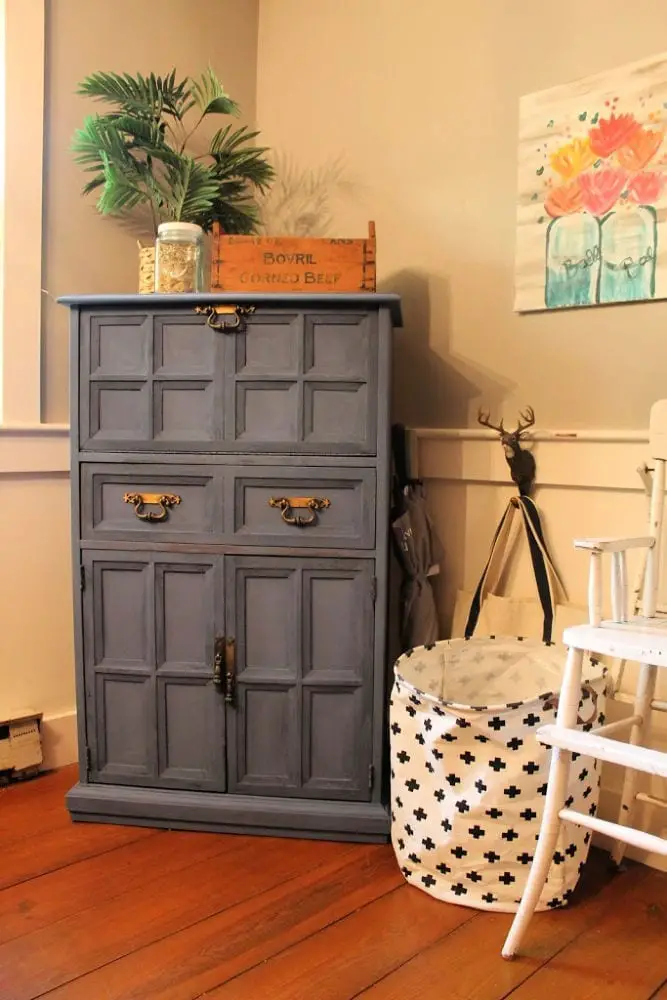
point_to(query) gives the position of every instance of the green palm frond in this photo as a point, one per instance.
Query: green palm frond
(210, 96)
(136, 152)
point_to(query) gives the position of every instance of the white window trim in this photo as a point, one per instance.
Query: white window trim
(26, 444)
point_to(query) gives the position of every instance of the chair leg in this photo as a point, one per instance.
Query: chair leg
(555, 799)
(638, 734)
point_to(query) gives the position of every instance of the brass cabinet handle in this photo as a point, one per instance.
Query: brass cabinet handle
(238, 314)
(219, 654)
(230, 671)
(163, 500)
(287, 504)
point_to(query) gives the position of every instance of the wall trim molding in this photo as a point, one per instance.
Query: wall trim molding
(34, 448)
(59, 740)
(592, 459)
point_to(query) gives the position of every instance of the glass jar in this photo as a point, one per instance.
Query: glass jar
(179, 257)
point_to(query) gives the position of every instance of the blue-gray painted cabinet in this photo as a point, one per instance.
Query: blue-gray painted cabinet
(230, 487)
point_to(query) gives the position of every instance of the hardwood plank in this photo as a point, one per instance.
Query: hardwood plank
(204, 955)
(44, 900)
(54, 955)
(622, 956)
(349, 956)
(34, 806)
(469, 960)
(37, 855)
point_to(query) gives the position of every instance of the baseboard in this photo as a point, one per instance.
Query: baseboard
(59, 740)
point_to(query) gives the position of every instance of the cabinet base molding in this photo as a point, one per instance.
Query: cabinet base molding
(358, 822)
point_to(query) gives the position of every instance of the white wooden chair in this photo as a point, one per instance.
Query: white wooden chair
(640, 638)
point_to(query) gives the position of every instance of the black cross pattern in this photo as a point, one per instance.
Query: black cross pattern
(571, 850)
(467, 757)
(415, 859)
(446, 826)
(492, 857)
(450, 738)
(393, 773)
(515, 743)
(406, 872)
(569, 801)
(587, 792)
(428, 844)
(415, 700)
(401, 844)
(474, 876)
(513, 705)
(419, 814)
(583, 774)
(420, 739)
(438, 711)
(555, 903)
(443, 868)
(410, 710)
(438, 754)
(439, 794)
(459, 852)
(459, 889)
(512, 791)
(395, 728)
(488, 897)
(463, 723)
(558, 858)
(496, 723)
(462, 806)
(528, 814)
(593, 809)
(412, 785)
(531, 719)
(453, 780)
(428, 880)
(531, 767)
(497, 764)
(494, 813)
(403, 756)
(409, 830)
(507, 878)
(399, 802)
(525, 858)
(509, 835)
(476, 831)
(542, 790)
(480, 786)
(587, 838)
(428, 725)
(481, 738)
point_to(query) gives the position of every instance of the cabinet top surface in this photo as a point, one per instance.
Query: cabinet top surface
(316, 300)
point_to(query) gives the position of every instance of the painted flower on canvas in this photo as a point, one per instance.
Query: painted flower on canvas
(593, 190)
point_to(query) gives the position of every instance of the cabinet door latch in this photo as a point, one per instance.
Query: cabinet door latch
(371, 777)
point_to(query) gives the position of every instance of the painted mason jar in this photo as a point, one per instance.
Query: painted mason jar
(572, 261)
(628, 251)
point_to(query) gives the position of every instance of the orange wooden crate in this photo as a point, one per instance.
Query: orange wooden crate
(292, 264)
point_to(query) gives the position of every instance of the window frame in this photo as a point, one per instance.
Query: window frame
(26, 443)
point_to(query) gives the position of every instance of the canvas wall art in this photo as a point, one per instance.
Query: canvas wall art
(592, 201)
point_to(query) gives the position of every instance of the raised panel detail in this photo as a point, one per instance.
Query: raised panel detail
(270, 345)
(191, 740)
(184, 411)
(119, 345)
(266, 738)
(121, 613)
(267, 609)
(124, 726)
(334, 739)
(119, 410)
(267, 411)
(338, 346)
(334, 600)
(185, 610)
(184, 345)
(336, 411)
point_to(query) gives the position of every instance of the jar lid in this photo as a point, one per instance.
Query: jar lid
(179, 227)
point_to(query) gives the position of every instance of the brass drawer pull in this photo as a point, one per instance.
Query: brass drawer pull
(287, 504)
(238, 314)
(219, 655)
(163, 500)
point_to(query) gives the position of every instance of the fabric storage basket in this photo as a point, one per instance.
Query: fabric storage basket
(468, 775)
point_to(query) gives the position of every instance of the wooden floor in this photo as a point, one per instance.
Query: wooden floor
(121, 913)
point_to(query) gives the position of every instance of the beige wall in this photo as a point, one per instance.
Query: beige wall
(423, 97)
(82, 251)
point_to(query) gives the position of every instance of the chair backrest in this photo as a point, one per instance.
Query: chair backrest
(658, 448)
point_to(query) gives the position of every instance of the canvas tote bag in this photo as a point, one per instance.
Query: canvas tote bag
(468, 777)
(503, 615)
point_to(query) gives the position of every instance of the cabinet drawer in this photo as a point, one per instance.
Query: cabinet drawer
(300, 507)
(173, 503)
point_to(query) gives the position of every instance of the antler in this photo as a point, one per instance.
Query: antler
(526, 419)
(484, 419)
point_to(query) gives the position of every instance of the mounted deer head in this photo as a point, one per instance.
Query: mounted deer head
(521, 463)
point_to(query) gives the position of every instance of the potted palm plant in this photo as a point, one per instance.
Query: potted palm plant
(146, 159)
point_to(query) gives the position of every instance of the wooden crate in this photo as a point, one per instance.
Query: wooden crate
(292, 264)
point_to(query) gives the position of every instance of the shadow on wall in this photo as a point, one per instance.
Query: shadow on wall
(299, 201)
